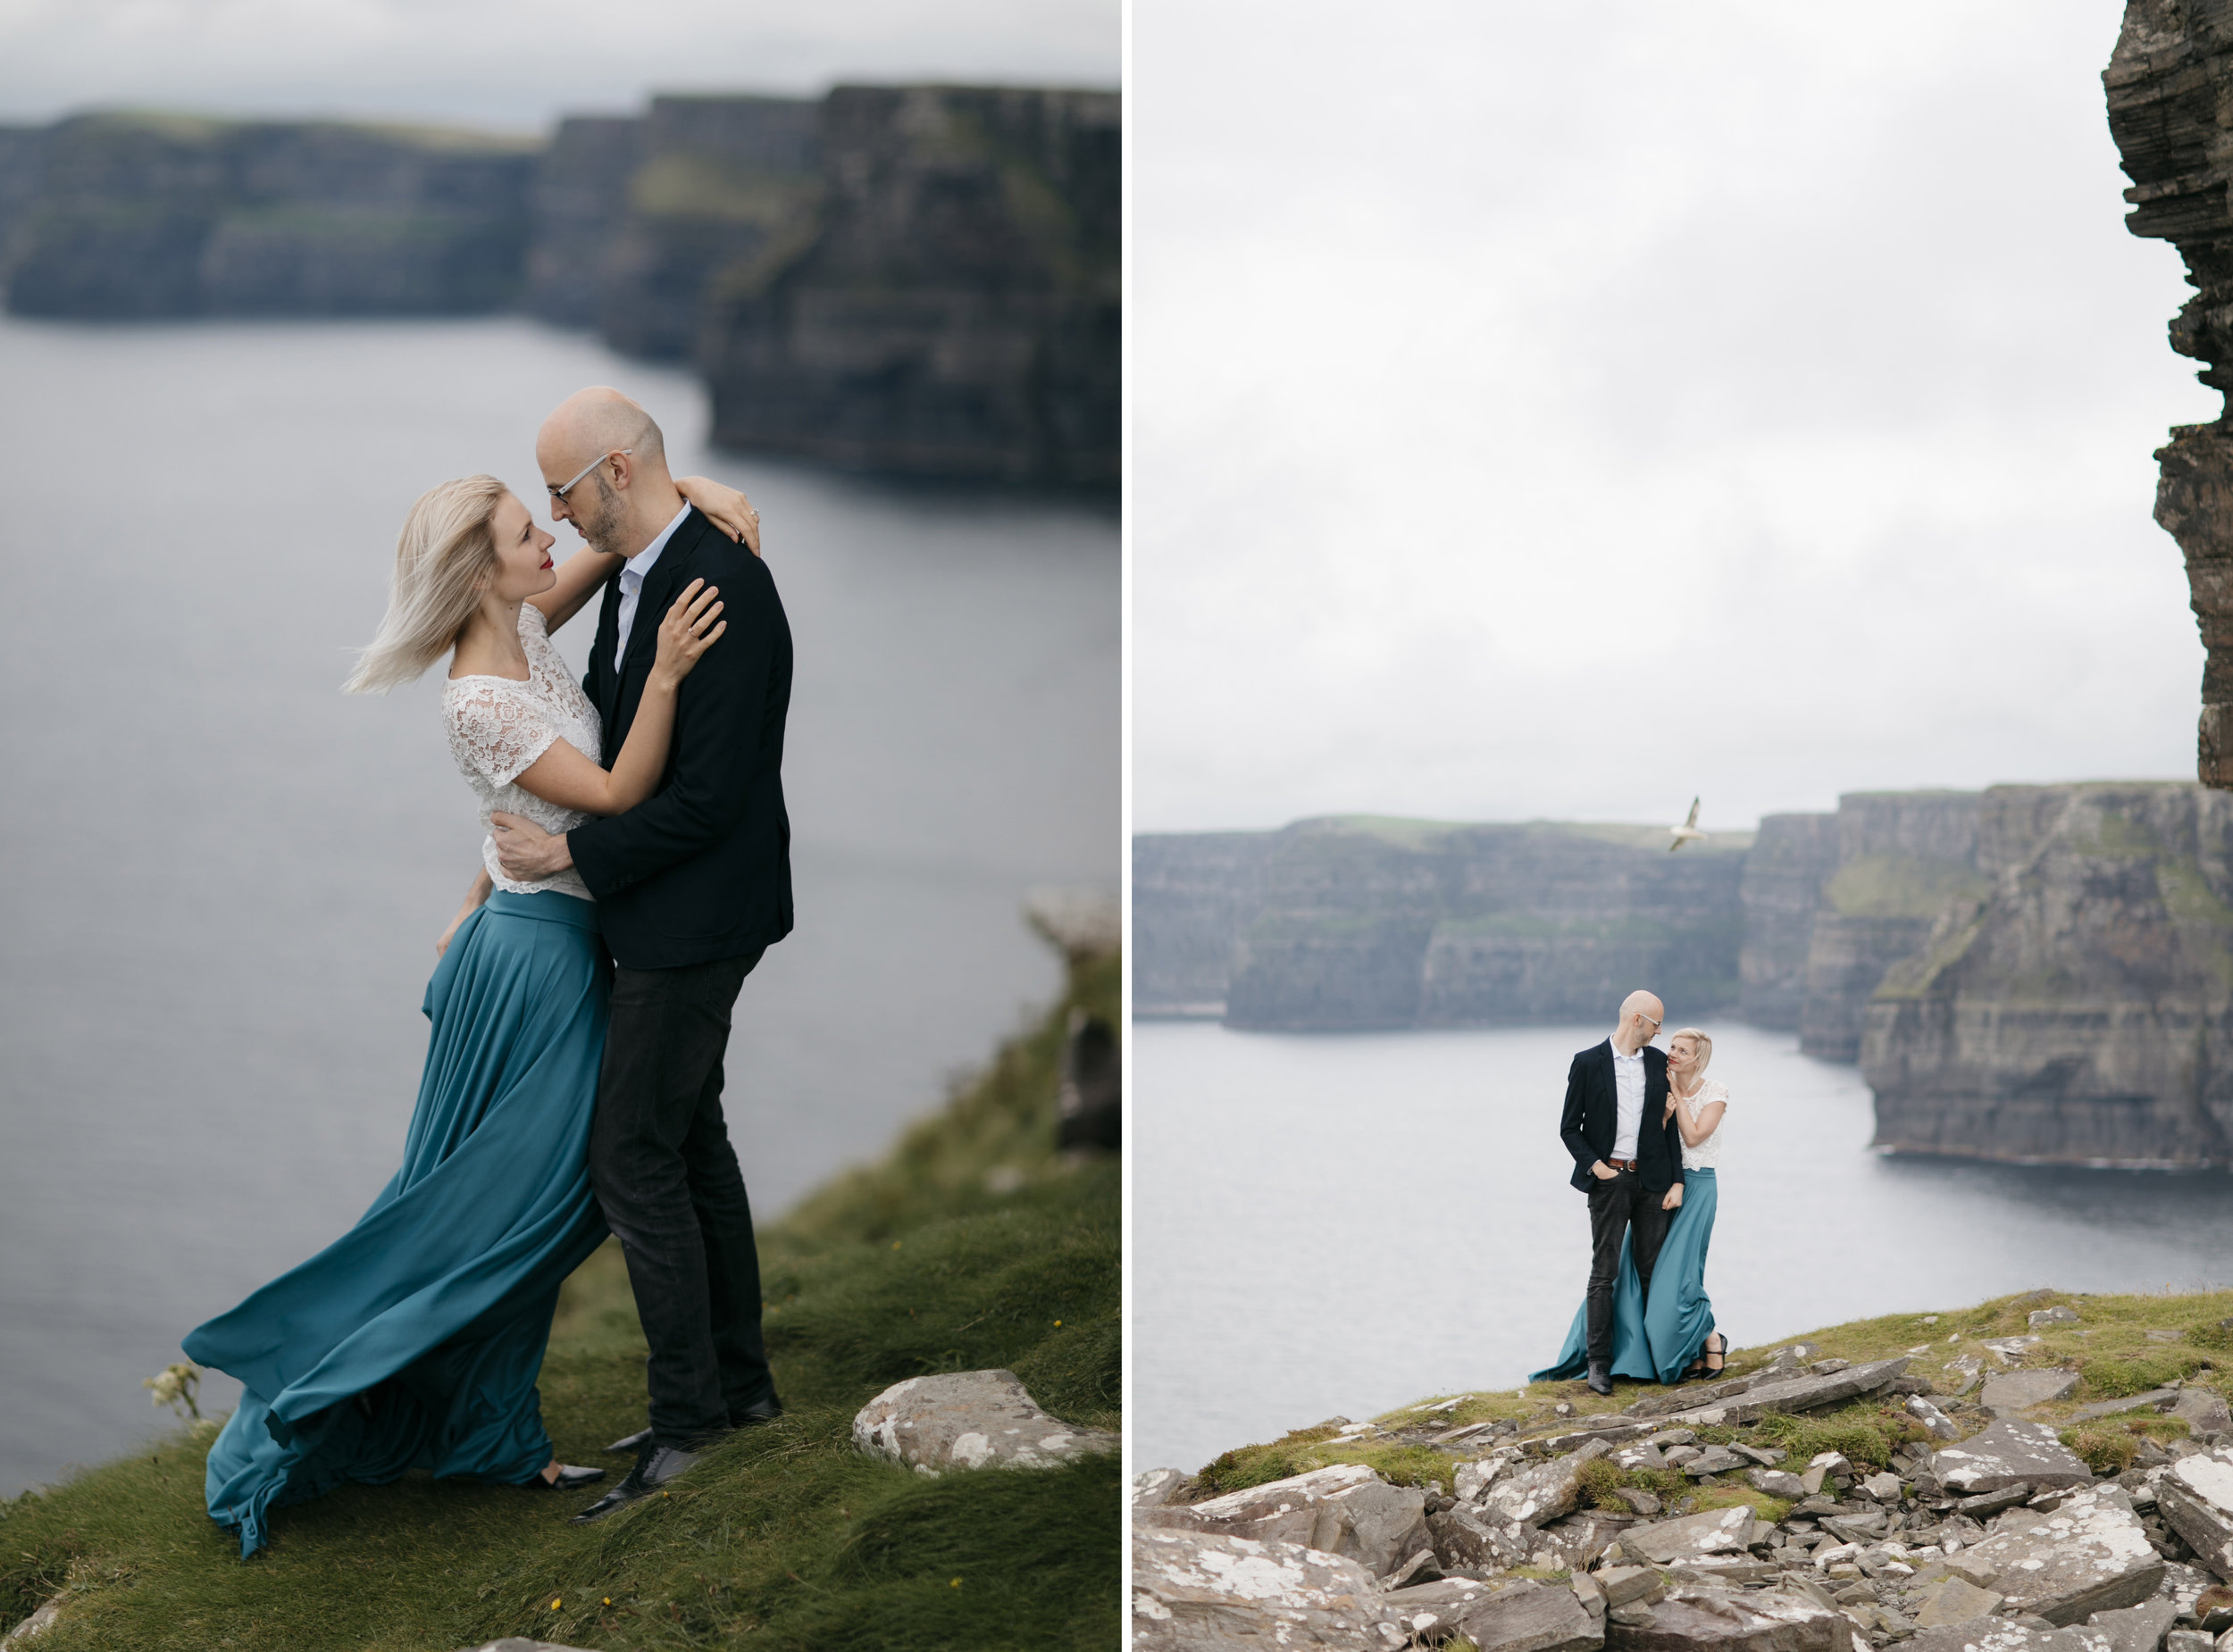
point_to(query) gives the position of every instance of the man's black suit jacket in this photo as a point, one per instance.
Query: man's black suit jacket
(701, 869)
(1591, 1116)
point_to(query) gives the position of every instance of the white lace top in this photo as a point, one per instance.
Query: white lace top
(497, 728)
(1707, 1154)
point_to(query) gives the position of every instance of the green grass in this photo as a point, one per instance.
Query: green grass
(786, 1537)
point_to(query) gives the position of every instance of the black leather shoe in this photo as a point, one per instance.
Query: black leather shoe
(570, 1479)
(1601, 1379)
(751, 1416)
(655, 1468)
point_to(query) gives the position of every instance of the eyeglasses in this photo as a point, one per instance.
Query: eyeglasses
(616, 453)
(1652, 1019)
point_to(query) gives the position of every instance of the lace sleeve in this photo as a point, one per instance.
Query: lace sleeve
(497, 728)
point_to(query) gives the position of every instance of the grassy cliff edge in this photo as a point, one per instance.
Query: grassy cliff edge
(972, 1244)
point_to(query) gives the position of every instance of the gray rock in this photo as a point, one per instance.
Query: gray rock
(2006, 1453)
(1624, 1584)
(1474, 1478)
(1796, 1394)
(1690, 1396)
(2189, 1641)
(2003, 1635)
(1463, 1540)
(1956, 1601)
(1206, 1591)
(2092, 1555)
(1638, 1499)
(969, 1418)
(1682, 1456)
(2155, 1400)
(1542, 1492)
(1667, 1436)
(2015, 1390)
(1767, 1456)
(1611, 1431)
(510, 1643)
(1987, 1503)
(1528, 1616)
(1776, 1483)
(38, 1624)
(2196, 1495)
(2009, 1350)
(2202, 1411)
(1644, 1455)
(1378, 1525)
(1156, 1487)
(2136, 1628)
(1713, 1460)
(1939, 1425)
(1881, 1488)
(1428, 1612)
(1280, 1511)
(2056, 1315)
(1717, 1531)
(1719, 1620)
(1420, 1569)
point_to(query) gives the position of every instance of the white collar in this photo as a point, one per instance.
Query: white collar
(1619, 1056)
(642, 563)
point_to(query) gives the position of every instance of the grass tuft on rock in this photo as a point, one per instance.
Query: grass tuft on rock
(974, 1245)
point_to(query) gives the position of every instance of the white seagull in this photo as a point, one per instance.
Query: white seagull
(1687, 830)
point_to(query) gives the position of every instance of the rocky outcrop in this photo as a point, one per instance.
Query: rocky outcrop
(953, 304)
(1790, 859)
(149, 216)
(1901, 855)
(2169, 83)
(2081, 1009)
(576, 204)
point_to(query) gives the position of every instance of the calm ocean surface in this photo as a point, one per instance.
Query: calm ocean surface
(223, 879)
(1342, 1224)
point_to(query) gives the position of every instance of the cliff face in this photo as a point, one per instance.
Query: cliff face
(1364, 923)
(953, 304)
(1193, 894)
(2169, 86)
(2079, 1007)
(1780, 892)
(576, 202)
(146, 216)
(1900, 856)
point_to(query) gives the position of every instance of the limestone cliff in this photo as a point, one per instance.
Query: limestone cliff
(146, 216)
(1193, 894)
(952, 306)
(2170, 87)
(1780, 892)
(2078, 1007)
(1900, 856)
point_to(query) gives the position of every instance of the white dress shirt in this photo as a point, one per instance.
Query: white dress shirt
(633, 573)
(1629, 1116)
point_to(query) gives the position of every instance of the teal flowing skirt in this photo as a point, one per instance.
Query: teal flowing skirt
(1655, 1341)
(414, 1339)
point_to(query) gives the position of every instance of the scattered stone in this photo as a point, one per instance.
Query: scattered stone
(1667, 1436)
(1623, 1584)
(510, 1643)
(1767, 1456)
(38, 1624)
(1542, 1492)
(1992, 1502)
(1344, 1509)
(1612, 1432)
(1642, 1456)
(1156, 1487)
(1474, 1478)
(2195, 1494)
(1528, 1616)
(2006, 1453)
(969, 1418)
(2006, 1635)
(2090, 1555)
(1638, 1499)
(1679, 1456)
(2017, 1391)
(1195, 1590)
(1419, 1569)
(2189, 1641)
(1730, 1620)
(1464, 1540)
(1716, 1532)
(1690, 1395)
(2155, 1400)
(1712, 1460)
(2158, 1334)
(2136, 1628)
(1882, 1488)
(1939, 1425)
(2010, 1349)
(1797, 1394)
(2202, 1411)
(2056, 1315)
(1776, 1483)
(1956, 1601)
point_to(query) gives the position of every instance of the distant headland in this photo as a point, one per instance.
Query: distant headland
(921, 279)
(2030, 973)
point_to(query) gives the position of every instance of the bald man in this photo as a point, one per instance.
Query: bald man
(692, 886)
(1628, 1157)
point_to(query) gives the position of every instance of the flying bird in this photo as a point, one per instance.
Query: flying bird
(1687, 830)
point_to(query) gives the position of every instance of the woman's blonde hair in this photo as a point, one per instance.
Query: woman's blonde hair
(1705, 1047)
(445, 548)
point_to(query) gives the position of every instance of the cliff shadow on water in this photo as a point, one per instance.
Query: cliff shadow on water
(2034, 974)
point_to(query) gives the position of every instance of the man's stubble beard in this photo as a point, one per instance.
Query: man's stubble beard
(600, 525)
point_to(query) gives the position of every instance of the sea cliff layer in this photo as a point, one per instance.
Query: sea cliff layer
(921, 279)
(2034, 974)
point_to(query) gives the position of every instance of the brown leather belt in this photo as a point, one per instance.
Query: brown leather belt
(1622, 1163)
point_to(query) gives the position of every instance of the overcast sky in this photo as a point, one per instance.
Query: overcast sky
(520, 64)
(1556, 413)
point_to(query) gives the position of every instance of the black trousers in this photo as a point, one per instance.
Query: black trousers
(1616, 1206)
(667, 1179)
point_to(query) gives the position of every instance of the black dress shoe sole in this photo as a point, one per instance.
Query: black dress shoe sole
(570, 1479)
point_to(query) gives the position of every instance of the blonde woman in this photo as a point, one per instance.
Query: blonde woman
(1679, 1323)
(414, 1339)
